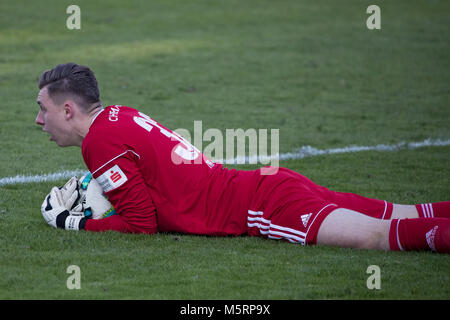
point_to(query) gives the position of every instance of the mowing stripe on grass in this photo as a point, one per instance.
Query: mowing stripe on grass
(303, 152)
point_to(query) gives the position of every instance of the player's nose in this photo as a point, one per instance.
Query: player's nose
(39, 119)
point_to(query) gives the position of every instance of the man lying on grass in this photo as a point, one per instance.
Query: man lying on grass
(157, 181)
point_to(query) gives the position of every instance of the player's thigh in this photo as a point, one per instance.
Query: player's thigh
(351, 229)
(401, 211)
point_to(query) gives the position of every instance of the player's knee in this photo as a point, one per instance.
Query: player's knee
(378, 236)
(377, 239)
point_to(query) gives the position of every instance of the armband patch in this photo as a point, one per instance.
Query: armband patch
(112, 179)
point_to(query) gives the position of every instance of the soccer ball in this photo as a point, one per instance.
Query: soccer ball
(93, 200)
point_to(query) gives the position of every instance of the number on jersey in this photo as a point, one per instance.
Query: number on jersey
(185, 150)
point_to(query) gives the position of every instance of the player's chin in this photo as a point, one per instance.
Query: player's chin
(62, 143)
(59, 142)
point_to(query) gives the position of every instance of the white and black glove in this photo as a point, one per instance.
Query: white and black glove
(56, 208)
(92, 200)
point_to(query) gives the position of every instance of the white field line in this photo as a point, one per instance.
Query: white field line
(308, 151)
(303, 152)
(41, 178)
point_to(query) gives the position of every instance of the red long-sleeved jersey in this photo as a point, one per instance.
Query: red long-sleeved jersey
(157, 181)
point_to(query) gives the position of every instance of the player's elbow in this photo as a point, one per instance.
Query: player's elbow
(147, 228)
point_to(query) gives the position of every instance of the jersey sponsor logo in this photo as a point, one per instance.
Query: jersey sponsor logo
(115, 176)
(112, 179)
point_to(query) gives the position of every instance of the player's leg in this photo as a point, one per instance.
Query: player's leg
(351, 229)
(347, 228)
(382, 209)
(423, 210)
(401, 211)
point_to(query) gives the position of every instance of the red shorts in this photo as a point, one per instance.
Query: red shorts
(289, 206)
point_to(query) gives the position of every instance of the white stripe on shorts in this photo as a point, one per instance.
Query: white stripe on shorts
(255, 213)
(385, 209)
(331, 204)
(273, 231)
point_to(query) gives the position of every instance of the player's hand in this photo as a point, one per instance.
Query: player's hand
(70, 192)
(55, 210)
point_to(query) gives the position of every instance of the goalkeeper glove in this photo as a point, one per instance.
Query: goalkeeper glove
(92, 200)
(56, 206)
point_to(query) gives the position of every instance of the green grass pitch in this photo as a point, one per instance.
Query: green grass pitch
(311, 69)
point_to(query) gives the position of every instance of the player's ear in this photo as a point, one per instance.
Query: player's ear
(69, 109)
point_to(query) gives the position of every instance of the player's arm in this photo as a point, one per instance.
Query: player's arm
(126, 189)
(135, 211)
(112, 223)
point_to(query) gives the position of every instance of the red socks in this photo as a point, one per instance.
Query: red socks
(431, 231)
(434, 210)
(420, 234)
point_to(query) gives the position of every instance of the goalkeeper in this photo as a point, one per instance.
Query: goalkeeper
(157, 181)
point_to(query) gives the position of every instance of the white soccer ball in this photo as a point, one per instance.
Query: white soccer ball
(93, 200)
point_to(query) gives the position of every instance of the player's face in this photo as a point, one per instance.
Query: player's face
(53, 120)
